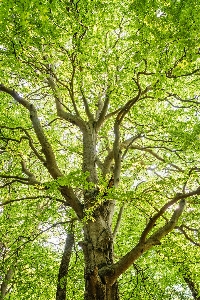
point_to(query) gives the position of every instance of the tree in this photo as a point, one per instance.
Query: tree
(99, 132)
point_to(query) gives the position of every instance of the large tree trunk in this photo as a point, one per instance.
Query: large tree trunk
(98, 237)
(98, 253)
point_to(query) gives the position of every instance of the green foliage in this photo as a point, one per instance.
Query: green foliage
(91, 49)
(74, 179)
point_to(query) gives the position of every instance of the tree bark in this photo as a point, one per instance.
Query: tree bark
(101, 273)
(191, 284)
(89, 151)
(4, 285)
(63, 270)
(98, 239)
(98, 252)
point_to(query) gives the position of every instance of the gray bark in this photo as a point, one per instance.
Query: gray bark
(89, 151)
(98, 238)
(98, 252)
(63, 270)
(5, 283)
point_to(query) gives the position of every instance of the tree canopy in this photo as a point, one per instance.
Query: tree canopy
(99, 149)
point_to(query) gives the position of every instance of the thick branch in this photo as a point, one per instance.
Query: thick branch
(87, 109)
(63, 270)
(34, 150)
(116, 144)
(108, 116)
(109, 158)
(153, 220)
(117, 154)
(160, 233)
(104, 110)
(73, 119)
(41, 158)
(46, 147)
(110, 274)
(51, 163)
(72, 200)
(107, 163)
(31, 176)
(71, 91)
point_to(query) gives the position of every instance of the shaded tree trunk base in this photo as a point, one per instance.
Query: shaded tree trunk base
(95, 289)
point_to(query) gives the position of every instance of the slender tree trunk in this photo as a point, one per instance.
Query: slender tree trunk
(190, 283)
(63, 270)
(4, 285)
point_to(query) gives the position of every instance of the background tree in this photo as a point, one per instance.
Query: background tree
(99, 136)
